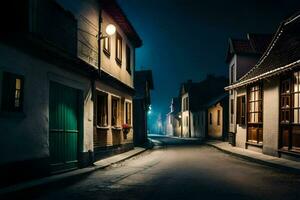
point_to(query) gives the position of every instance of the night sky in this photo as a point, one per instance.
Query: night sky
(187, 39)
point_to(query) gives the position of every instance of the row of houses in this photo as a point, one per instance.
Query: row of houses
(200, 109)
(259, 109)
(264, 91)
(67, 76)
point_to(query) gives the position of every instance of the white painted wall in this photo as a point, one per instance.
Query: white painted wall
(271, 101)
(241, 131)
(24, 137)
(185, 117)
(232, 96)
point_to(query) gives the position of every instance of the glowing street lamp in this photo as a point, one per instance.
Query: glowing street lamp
(110, 29)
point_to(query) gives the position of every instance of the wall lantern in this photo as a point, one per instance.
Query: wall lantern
(110, 29)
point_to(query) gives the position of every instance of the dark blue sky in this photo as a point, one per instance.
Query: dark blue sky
(187, 39)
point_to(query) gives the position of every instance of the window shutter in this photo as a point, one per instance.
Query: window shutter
(241, 110)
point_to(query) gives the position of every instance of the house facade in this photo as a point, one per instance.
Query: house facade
(195, 97)
(217, 115)
(115, 90)
(143, 84)
(242, 55)
(173, 118)
(267, 97)
(51, 85)
(45, 92)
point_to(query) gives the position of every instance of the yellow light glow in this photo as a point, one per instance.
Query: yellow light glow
(110, 29)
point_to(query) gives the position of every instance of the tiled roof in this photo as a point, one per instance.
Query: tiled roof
(282, 54)
(201, 93)
(115, 11)
(254, 44)
(241, 46)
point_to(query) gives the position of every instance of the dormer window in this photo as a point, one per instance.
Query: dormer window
(119, 49)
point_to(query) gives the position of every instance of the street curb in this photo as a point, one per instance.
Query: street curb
(258, 161)
(29, 185)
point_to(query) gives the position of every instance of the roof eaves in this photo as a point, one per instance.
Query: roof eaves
(267, 52)
(264, 75)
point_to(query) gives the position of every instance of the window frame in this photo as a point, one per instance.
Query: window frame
(118, 109)
(128, 59)
(126, 112)
(218, 117)
(255, 128)
(105, 96)
(8, 92)
(289, 129)
(241, 110)
(107, 41)
(119, 48)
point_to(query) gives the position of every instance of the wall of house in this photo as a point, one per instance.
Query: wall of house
(112, 136)
(244, 64)
(215, 130)
(271, 99)
(109, 63)
(232, 96)
(177, 127)
(170, 124)
(185, 117)
(241, 130)
(198, 124)
(86, 13)
(25, 136)
(139, 121)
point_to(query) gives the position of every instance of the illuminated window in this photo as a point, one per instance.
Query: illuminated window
(128, 113)
(255, 113)
(12, 92)
(115, 111)
(119, 49)
(289, 112)
(106, 46)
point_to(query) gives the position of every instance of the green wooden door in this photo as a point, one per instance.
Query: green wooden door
(63, 127)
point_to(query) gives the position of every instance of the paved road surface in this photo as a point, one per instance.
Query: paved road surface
(186, 171)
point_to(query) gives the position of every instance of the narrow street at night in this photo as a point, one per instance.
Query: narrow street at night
(179, 169)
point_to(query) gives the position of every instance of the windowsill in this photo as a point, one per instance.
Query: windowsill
(291, 151)
(106, 52)
(103, 127)
(254, 144)
(119, 62)
(4, 114)
(116, 128)
(253, 123)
